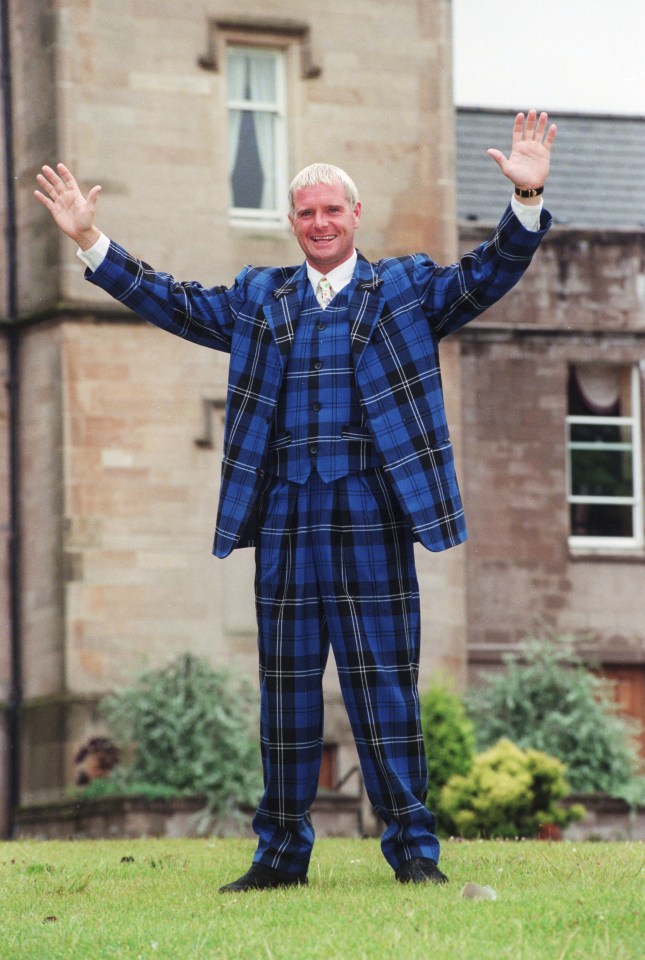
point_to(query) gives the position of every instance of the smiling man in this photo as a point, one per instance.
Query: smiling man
(337, 458)
(324, 215)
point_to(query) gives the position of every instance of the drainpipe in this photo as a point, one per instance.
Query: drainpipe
(13, 345)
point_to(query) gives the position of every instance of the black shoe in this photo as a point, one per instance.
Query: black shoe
(260, 877)
(420, 870)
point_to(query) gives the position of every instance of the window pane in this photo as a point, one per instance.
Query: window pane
(253, 133)
(600, 433)
(601, 473)
(601, 520)
(252, 76)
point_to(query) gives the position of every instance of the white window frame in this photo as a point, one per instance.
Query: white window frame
(636, 500)
(251, 216)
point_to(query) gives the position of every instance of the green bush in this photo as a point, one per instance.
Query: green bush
(547, 699)
(191, 730)
(508, 792)
(448, 737)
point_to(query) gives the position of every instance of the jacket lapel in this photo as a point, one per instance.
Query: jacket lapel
(365, 306)
(282, 308)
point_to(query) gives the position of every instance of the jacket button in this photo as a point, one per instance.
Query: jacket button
(313, 449)
(316, 407)
(318, 364)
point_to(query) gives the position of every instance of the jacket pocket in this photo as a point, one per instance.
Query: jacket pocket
(283, 440)
(356, 431)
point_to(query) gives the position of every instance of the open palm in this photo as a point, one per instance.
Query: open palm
(528, 164)
(74, 213)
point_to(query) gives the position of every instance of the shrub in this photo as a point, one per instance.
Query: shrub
(508, 792)
(549, 701)
(448, 737)
(191, 731)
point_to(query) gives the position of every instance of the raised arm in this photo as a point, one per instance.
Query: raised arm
(202, 315)
(455, 294)
(73, 213)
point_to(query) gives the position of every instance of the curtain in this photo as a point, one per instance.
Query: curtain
(236, 91)
(262, 89)
(599, 385)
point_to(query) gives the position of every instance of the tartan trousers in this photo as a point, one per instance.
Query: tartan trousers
(335, 564)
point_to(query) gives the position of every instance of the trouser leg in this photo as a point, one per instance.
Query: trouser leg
(371, 598)
(292, 652)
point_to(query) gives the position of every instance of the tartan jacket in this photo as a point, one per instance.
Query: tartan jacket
(400, 309)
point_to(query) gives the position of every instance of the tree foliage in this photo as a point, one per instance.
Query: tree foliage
(448, 737)
(191, 730)
(508, 792)
(548, 700)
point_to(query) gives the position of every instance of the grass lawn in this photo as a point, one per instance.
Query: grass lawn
(83, 901)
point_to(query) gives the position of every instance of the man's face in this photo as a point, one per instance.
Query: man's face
(324, 225)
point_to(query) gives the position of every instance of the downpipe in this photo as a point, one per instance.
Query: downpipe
(14, 711)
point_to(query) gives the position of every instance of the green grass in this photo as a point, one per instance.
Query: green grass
(555, 901)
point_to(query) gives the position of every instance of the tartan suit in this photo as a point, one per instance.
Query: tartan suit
(400, 308)
(334, 568)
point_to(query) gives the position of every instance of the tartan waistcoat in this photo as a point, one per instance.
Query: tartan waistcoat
(319, 425)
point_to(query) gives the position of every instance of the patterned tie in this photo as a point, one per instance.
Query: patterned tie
(324, 292)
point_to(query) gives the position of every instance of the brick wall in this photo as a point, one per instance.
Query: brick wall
(583, 300)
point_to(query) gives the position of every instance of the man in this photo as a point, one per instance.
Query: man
(336, 460)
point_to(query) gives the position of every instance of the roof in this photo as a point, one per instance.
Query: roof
(596, 177)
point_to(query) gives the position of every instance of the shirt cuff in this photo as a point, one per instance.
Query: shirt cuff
(95, 255)
(529, 217)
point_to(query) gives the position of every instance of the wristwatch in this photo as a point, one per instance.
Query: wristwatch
(531, 192)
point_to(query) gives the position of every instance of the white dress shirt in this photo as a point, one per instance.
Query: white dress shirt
(339, 277)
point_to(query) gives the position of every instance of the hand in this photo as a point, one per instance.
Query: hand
(73, 213)
(528, 164)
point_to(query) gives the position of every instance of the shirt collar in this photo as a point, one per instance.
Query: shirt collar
(339, 277)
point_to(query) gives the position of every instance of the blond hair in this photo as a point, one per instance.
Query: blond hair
(326, 173)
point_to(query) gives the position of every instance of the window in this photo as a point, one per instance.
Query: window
(256, 131)
(604, 456)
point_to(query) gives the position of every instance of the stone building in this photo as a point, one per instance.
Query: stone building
(192, 117)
